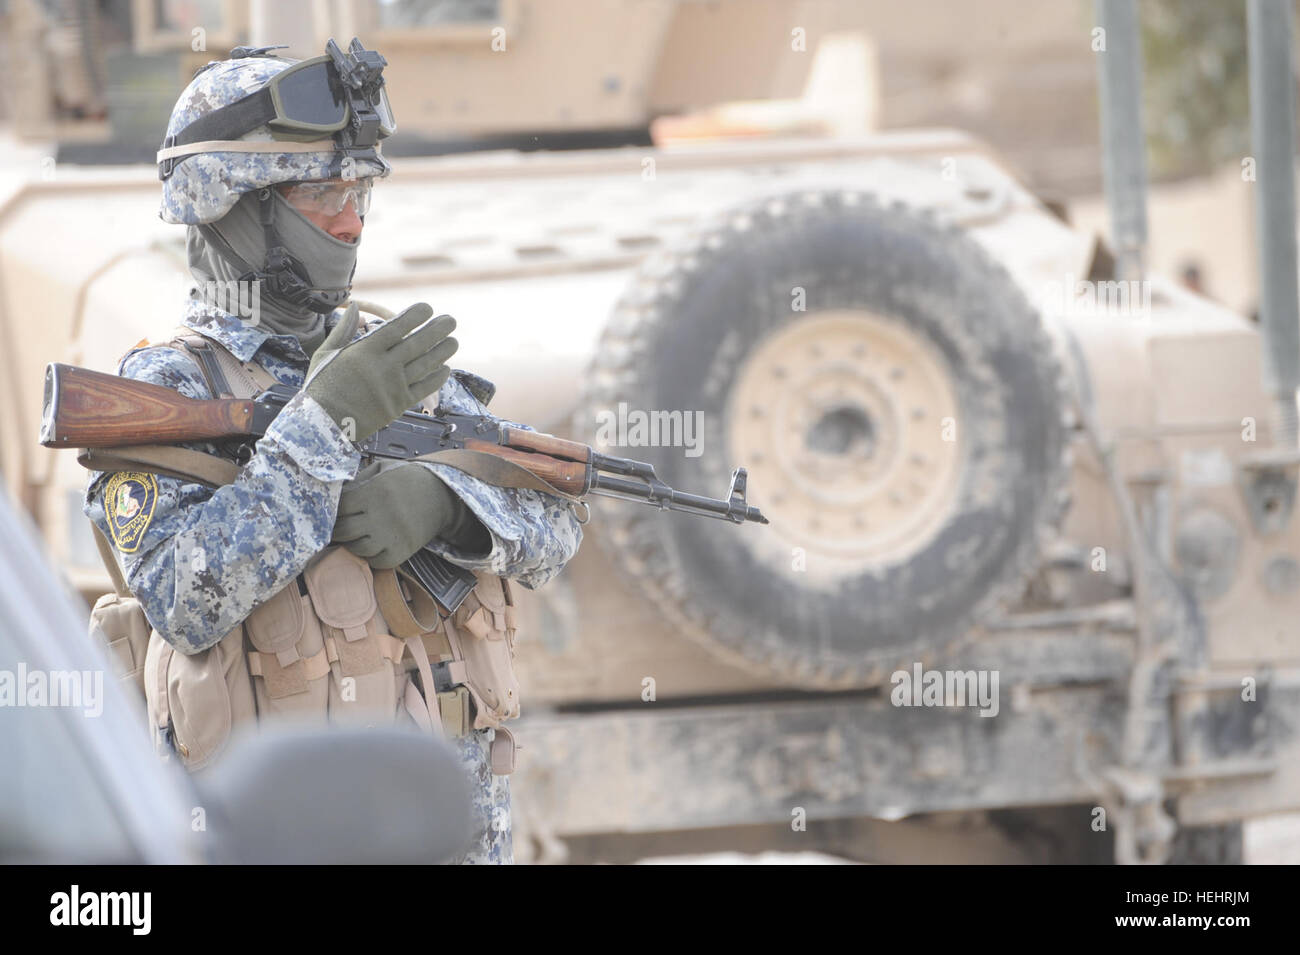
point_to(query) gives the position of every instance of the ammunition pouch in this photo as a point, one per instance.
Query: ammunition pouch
(195, 701)
(118, 624)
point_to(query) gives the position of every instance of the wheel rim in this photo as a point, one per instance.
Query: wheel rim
(847, 422)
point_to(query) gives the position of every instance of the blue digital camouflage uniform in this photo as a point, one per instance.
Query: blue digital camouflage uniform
(207, 558)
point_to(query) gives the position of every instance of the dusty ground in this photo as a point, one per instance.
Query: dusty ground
(1273, 840)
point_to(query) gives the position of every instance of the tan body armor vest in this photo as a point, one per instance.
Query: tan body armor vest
(340, 643)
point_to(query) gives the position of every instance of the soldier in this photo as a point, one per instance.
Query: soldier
(268, 588)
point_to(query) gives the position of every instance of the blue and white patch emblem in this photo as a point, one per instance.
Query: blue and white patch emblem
(129, 499)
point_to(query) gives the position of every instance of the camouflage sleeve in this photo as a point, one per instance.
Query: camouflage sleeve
(200, 560)
(533, 534)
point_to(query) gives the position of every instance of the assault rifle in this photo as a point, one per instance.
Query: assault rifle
(89, 409)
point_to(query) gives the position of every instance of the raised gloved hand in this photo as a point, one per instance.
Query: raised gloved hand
(393, 508)
(367, 384)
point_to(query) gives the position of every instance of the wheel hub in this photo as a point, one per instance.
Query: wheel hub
(848, 424)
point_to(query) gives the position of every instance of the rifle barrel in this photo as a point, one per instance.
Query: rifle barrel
(736, 511)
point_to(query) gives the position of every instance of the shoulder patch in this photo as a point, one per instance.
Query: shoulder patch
(129, 499)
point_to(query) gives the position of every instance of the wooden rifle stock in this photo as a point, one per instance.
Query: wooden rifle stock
(85, 408)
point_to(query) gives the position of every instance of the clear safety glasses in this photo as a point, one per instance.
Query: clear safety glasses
(330, 197)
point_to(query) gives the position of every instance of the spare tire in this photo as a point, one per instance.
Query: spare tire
(899, 408)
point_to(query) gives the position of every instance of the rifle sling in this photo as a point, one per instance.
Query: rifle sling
(110, 562)
(163, 459)
(493, 470)
(208, 469)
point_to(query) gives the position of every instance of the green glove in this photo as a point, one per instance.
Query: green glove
(393, 508)
(367, 384)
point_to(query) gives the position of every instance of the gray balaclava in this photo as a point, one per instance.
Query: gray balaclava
(239, 244)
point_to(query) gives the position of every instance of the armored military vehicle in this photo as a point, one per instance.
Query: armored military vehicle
(1031, 556)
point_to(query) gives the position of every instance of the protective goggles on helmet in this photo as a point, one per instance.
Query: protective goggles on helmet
(331, 102)
(329, 197)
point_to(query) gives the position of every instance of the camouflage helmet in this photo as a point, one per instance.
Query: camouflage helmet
(201, 186)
